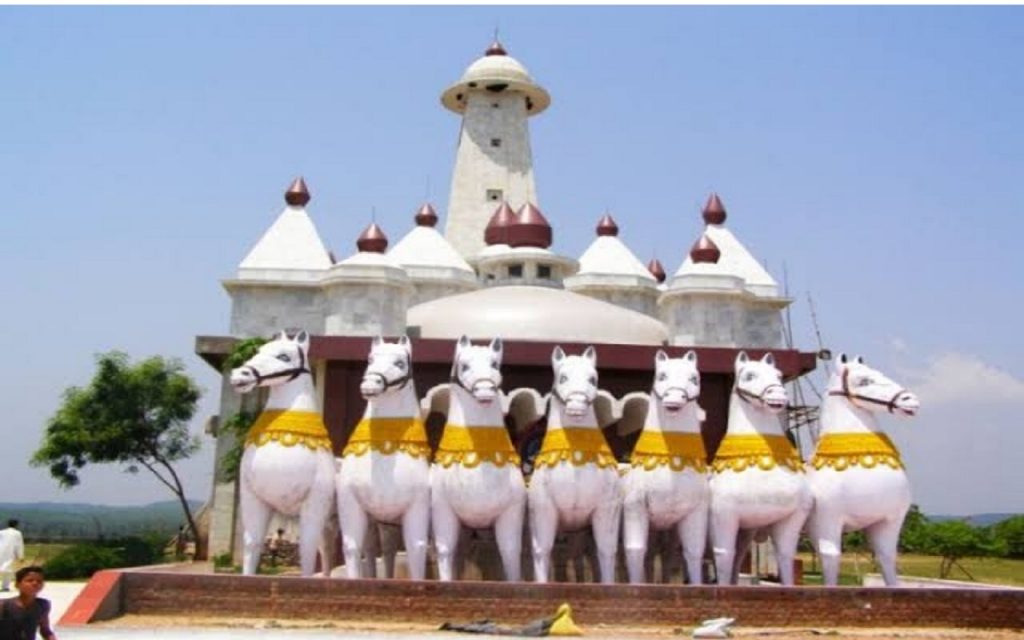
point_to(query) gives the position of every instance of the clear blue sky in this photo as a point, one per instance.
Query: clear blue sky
(877, 152)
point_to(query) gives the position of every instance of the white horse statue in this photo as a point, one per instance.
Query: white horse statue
(288, 463)
(385, 470)
(575, 480)
(667, 484)
(758, 479)
(856, 474)
(476, 480)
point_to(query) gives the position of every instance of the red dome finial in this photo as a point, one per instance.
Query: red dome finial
(497, 228)
(606, 226)
(372, 240)
(658, 271)
(531, 229)
(495, 49)
(426, 216)
(704, 250)
(714, 211)
(297, 194)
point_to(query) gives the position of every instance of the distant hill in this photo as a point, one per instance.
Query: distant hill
(978, 519)
(62, 521)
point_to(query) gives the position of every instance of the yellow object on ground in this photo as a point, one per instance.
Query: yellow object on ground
(563, 624)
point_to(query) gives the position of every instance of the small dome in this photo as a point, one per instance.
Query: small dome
(426, 216)
(714, 211)
(606, 226)
(497, 228)
(704, 250)
(658, 271)
(372, 240)
(531, 229)
(297, 194)
(495, 49)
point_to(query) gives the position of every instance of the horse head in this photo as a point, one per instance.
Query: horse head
(279, 361)
(676, 380)
(388, 367)
(869, 389)
(759, 383)
(575, 380)
(478, 369)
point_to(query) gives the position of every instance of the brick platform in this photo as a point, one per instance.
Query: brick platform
(267, 597)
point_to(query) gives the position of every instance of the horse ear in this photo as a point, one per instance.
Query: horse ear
(302, 338)
(280, 335)
(557, 355)
(376, 342)
(463, 342)
(660, 356)
(859, 359)
(691, 356)
(496, 345)
(768, 359)
(591, 354)
(842, 359)
(741, 359)
(404, 342)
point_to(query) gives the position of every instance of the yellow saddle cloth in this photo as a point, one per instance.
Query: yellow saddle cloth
(469, 446)
(867, 450)
(674, 450)
(289, 428)
(578, 446)
(737, 452)
(389, 435)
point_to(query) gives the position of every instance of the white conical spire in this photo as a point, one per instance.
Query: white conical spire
(735, 261)
(291, 249)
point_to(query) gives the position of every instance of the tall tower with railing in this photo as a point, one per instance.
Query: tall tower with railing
(493, 164)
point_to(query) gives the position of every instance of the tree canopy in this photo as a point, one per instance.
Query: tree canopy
(133, 414)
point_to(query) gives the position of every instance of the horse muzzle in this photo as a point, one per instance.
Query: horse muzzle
(485, 392)
(577, 405)
(243, 380)
(674, 400)
(775, 399)
(371, 387)
(907, 404)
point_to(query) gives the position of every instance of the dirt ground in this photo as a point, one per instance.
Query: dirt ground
(597, 631)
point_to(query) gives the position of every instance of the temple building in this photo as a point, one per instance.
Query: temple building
(494, 272)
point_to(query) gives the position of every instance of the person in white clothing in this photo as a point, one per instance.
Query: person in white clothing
(12, 548)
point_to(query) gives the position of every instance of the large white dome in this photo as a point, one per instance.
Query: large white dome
(533, 313)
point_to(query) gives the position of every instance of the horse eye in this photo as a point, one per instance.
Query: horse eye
(283, 357)
(694, 379)
(662, 377)
(464, 367)
(748, 377)
(865, 382)
(563, 379)
(494, 364)
(592, 380)
(400, 364)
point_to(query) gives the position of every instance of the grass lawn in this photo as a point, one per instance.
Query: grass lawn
(38, 553)
(991, 570)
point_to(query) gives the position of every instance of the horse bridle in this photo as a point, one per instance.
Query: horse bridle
(845, 392)
(661, 396)
(397, 382)
(749, 397)
(294, 372)
(457, 379)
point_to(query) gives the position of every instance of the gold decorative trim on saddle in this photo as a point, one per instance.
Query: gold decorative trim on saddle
(389, 435)
(289, 428)
(469, 446)
(867, 450)
(738, 452)
(578, 446)
(668, 449)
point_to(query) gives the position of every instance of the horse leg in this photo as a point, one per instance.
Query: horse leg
(826, 531)
(390, 540)
(508, 530)
(635, 532)
(785, 536)
(605, 525)
(313, 515)
(353, 522)
(415, 530)
(446, 532)
(724, 531)
(543, 525)
(255, 519)
(884, 537)
(693, 535)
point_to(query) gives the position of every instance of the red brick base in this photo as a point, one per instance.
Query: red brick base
(434, 602)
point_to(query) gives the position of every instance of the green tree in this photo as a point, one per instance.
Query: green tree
(1010, 533)
(914, 532)
(132, 414)
(240, 423)
(954, 540)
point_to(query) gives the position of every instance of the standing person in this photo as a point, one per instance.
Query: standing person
(12, 547)
(23, 615)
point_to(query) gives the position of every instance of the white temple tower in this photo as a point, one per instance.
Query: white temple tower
(493, 163)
